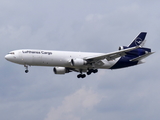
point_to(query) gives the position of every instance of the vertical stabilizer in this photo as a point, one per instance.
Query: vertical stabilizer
(139, 40)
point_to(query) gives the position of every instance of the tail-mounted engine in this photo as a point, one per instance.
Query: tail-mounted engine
(78, 62)
(122, 47)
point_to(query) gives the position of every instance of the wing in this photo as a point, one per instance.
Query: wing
(110, 56)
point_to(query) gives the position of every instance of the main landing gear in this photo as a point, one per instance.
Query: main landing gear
(81, 76)
(92, 71)
(88, 73)
(26, 66)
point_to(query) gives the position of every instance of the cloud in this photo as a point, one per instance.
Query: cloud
(75, 106)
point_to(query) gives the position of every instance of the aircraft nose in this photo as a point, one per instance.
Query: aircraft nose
(8, 57)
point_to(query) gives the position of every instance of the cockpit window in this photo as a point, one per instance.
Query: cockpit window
(11, 53)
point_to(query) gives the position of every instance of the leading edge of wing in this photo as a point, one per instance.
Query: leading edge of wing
(112, 55)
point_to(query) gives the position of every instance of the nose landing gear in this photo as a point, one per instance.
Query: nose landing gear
(26, 71)
(26, 66)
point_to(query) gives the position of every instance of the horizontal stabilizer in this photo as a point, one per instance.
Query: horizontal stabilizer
(141, 57)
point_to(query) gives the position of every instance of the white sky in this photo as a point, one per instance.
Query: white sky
(81, 25)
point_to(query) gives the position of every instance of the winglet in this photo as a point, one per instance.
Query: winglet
(139, 40)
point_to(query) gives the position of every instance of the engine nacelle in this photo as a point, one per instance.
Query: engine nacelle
(78, 62)
(120, 48)
(60, 70)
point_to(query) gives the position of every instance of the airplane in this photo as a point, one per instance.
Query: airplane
(83, 62)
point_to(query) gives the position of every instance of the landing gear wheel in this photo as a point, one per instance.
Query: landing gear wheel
(89, 72)
(95, 71)
(78, 76)
(26, 71)
(81, 76)
(92, 71)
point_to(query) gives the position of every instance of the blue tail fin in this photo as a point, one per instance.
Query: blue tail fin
(138, 40)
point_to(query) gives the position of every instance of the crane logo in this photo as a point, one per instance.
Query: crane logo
(138, 41)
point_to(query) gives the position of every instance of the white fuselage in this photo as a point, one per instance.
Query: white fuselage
(34, 57)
